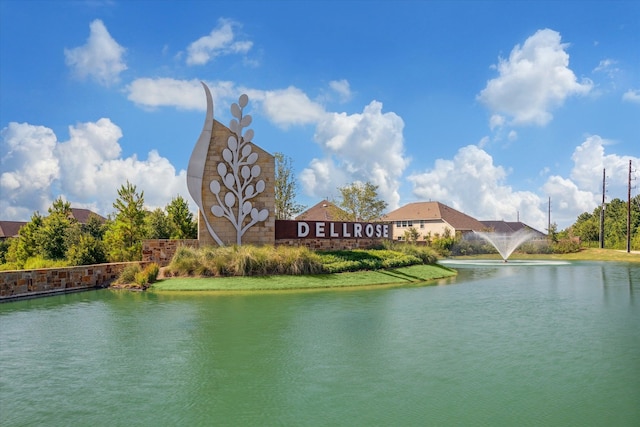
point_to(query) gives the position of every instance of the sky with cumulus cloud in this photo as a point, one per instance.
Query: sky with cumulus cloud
(491, 107)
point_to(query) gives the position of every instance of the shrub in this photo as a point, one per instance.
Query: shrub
(152, 270)
(250, 260)
(37, 262)
(184, 262)
(88, 250)
(129, 274)
(566, 246)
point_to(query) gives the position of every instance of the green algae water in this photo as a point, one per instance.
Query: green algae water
(497, 345)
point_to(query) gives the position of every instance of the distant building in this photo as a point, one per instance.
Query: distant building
(431, 219)
(82, 215)
(12, 228)
(323, 211)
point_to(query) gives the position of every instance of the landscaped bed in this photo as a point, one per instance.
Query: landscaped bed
(394, 276)
(242, 268)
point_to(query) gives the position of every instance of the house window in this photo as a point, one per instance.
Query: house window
(398, 223)
(410, 223)
(404, 223)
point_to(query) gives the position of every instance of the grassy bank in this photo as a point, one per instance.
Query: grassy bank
(396, 276)
(589, 254)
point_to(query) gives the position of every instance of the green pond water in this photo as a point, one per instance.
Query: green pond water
(511, 345)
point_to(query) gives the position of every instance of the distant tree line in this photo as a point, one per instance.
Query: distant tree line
(58, 239)
(587, 226)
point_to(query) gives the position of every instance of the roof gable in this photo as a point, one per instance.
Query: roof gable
(82, 215)
(435, 211)
(10, 228)
(322, 211)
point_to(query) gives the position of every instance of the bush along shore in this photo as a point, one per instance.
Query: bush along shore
(250, 267)
(248, 260)
(134, 277)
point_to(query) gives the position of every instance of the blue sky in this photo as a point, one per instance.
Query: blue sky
(489, 107)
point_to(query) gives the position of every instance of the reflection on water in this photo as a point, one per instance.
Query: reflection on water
(497, 345)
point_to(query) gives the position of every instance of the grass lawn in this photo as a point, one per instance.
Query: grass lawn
(589, 254)
(397, 276)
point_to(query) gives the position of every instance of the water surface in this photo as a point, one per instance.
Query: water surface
(497, 345)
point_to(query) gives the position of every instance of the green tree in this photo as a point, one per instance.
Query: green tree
(360, 202)
(411, 235)
(158, 225)
(183, 224)
(124, 235)
(615, 224)
(286, 188)
(4, 248)
(586, 227)
(53, 234)
(27, 243)
(552, 233)
(86, 250)
(94, 226)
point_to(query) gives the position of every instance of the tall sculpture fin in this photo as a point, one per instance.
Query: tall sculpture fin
(195, 170)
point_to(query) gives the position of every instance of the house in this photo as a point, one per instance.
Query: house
(430, 219)
(11, 228)
(82, 215)
(322, 211)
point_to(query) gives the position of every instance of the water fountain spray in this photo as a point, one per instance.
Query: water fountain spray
(506, 243)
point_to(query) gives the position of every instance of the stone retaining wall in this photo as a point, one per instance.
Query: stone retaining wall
(330, 244)
(161, 251)
(45, 281)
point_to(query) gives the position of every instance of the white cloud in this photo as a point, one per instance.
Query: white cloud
(366, 147)
(632, 95)
(590, 160)
(496, 121)
(101, 58)
(288, 107)
(607, 66)
(342, 88)
(533, 81)
(27, 168)
(183, 94)
(358, 147)
(87, 170)
(583, 191)
(471, 183)
(567, 200)
(221, 41)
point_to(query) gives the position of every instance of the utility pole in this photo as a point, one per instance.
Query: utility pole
(629, 211)
(602, 210)
(549, 217)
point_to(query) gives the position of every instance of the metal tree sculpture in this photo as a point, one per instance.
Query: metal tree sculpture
(239, 174)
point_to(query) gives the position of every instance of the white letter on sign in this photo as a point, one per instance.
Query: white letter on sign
(369, 230)
(303, 229)
(345, 233)
(319, 229)
(357, 230)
